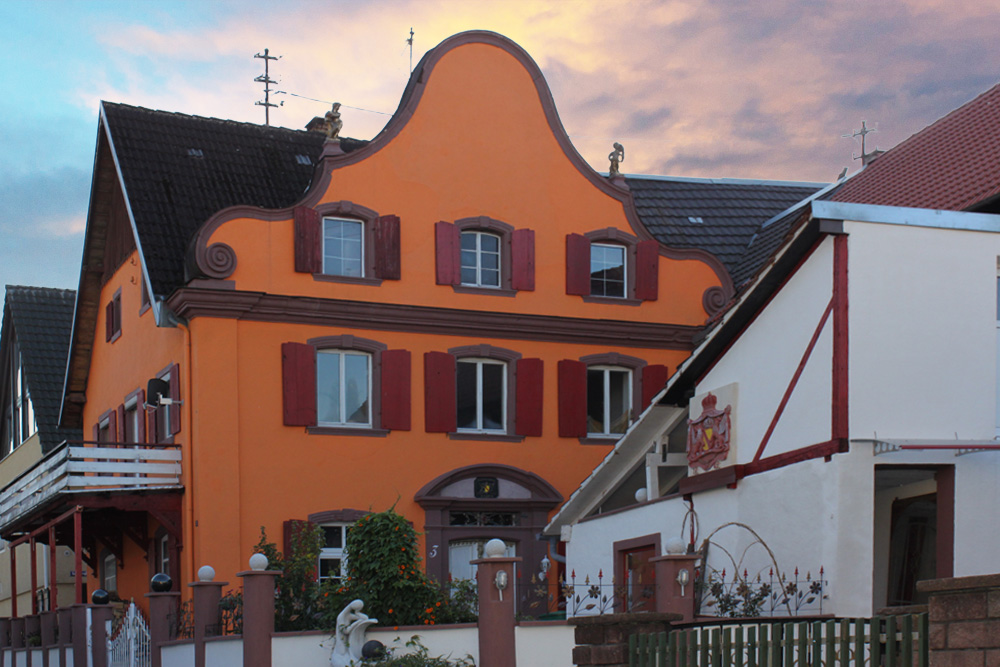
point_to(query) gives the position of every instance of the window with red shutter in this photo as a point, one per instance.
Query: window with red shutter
(484, 256)
(572, 398)
(345, 242)
(611, 266)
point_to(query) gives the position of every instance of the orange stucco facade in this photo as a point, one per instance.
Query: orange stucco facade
(476, 137)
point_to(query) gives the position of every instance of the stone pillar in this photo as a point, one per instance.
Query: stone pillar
(603, 640)
(496, 608)
(964, 619)
(100, 617)
(17, 632)
(206, 595)
(64, 616)
(4, 632)
(258, 612)
(162, 606)
(48, 628)
(671, 597)
(80, 634)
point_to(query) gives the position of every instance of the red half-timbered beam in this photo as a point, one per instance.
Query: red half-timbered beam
(840, 412)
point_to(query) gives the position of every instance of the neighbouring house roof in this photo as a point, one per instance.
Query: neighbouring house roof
(952, 164)
(41, 320)
(178, 170)
(717, 215)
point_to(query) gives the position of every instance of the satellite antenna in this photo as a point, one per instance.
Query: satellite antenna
(267, 81)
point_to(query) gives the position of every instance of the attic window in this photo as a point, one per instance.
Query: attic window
(196, 152)
(694, 218)
(303, 159)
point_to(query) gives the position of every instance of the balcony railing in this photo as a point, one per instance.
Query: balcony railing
(83, 467)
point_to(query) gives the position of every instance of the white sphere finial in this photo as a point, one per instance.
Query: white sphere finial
(206, 573)
(676, 546)
(641, 495)
(258, 562)
(495, 548)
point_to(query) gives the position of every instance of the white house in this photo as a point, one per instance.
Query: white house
(860, 373)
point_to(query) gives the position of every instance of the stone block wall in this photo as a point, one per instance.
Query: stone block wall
(602, 641)
(964, 615)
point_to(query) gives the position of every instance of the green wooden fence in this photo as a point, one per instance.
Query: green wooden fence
(890, 641)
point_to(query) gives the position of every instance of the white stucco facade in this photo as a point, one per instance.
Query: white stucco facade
(923, 339)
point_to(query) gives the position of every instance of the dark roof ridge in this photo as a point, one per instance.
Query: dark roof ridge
(727, 181)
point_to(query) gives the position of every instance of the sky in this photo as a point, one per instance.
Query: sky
(760, 89)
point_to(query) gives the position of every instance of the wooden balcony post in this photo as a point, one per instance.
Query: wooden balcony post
(13, 581)
(34, 576)
(78, 555)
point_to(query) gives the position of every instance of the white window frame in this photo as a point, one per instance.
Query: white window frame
(361, 256)
(343, 393)
(165, 413)
(606, 419)
(330, 553)
(479, 363)
(109, 574)
(624, 251)
(132, 412)
(479, 252)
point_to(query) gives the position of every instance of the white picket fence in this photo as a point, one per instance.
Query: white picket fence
(128, 640)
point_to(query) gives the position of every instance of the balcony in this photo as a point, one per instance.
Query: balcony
(89, 467)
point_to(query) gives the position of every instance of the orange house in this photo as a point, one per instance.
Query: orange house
(457, 318)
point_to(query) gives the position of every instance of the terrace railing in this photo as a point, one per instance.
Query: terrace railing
(83, 467)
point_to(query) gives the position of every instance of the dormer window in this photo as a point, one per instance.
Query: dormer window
(611, 266)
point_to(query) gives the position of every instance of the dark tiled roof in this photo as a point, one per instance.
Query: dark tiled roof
(952, 164)
(178, 170)
(717, 215)
(763, 244)
(42, 318)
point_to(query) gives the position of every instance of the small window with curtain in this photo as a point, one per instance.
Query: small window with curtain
(343, 388)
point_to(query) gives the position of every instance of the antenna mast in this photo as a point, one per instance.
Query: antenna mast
(865, 157)
(410, 42)
(267, 81)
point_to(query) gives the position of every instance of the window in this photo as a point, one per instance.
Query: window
(345, 385)
(480, 259)
(332, 564)
(165, 420)
(481, 393)
(612, 266)
(607, 270)
(344, 242)
(600, 394)
(164, 415)
(109, 573)
(104, 431)
(134, 417)
(343, 388)
(470, 393)
(113, 317)
(609, 400)
(343, 247)
(484, 255)
(143, 295)
(19, 414)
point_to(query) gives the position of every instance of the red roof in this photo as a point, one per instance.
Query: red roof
(952, 164)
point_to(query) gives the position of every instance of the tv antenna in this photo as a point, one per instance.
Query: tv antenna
(864, 157)
(267, 81)
(410, 42)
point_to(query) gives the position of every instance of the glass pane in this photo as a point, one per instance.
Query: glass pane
(463, 519)
(333, 537)
(498, 519)
(329, 567)
(493, 396)
(491, 261)
(468, 241)
(595, 401)
(491, 278)
(343, 248)
(466, 395)
(468, 259)
(328, 388)
(468, 275)
(356, 388)
(618, 401)
(489, 243)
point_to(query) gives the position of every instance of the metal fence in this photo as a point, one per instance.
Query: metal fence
(128, 641)
(891, 641)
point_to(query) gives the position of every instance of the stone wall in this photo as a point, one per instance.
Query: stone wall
(603, 640)
(964, 615)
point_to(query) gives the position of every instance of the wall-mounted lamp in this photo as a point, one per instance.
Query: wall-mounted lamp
(500, 581)
(546, 566)
(683, 577)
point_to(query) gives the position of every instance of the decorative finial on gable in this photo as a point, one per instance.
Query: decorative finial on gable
(333, 123)
(617, 156)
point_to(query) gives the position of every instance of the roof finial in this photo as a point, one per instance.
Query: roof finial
(617, 156)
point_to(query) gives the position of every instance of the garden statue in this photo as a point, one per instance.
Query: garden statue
(349, 635)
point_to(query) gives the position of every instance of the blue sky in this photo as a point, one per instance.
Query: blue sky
(726, 88)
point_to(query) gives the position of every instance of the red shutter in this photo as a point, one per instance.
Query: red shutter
(151, 431)
(528, 406)
(440, 407)
(447, 244)
(118, 313)
(647, 261)
(109, 320)
(572, 399)
(577, 264)
(308, 240)
(298, 384)
(141, 418)
(522, 250)
(175, 394)
(654, 378)
(396, 390)
(386, 235)
(119, 434)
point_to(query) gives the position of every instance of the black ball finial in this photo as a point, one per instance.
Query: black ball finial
(161, 583)
(373, 649)
(100, 596)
